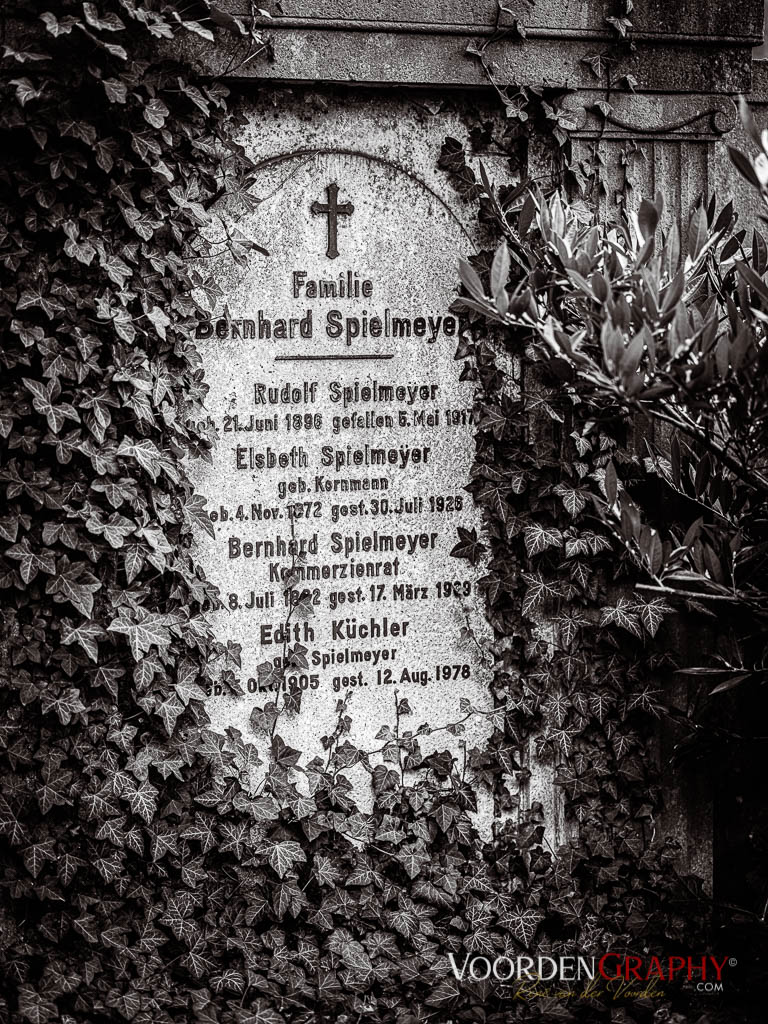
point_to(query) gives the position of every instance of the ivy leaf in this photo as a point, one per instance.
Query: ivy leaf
(652, 614)
(389, 832)
(303, 807)
(108, 677)
(283, 855)
(622, 25)
(538, 538)
(600, 705)
(160, 320)
(443, 993)
(188, 672)
(646, 699)
(492, 419)
(583, 444)
(77, 129)
(144, 452)
(9, 528)
(445, 816)
(622, 614)
(36, 296)
(523, 924)
(144, 630)
(355, 958)
(325, 870)
(196, 27)
(75, 583)
(469, 546)
(87, 926)
(202, 832)
(114, 529)
(106, 23)
(117, 270)
(65, 445)
(31, 562)
(261, 1012)
(58, 26)
(200, 965)
(117, 91)
(42, 402)
(630, 81)
(569, 627)
(622, 744)
(155, 112)
(596, 63)
(10, 825)
(195, 514)
(34, 1007)
(403, 921)
(66, 867)
(557, 705)
(86, 635)
(117, 492)
(563, 738)
(37, 854)
(235, 838)
(142, 800)
(169, 710)
(105, 150)
(133, 561)
(574, 500)
(539, 590)
(66, 704)
(25, 90)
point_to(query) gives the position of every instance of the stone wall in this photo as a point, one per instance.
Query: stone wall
(653, 116)
(671, 92)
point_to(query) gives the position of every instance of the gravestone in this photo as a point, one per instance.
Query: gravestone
(345, 439)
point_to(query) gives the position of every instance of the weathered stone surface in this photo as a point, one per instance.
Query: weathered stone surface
(417, 58)
(740, 20)
(688, 47)
(650, 144)
(723, 178)
(303, 420)
(761, 51)
(631, 115)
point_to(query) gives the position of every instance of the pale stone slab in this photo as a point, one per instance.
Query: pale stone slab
(346, 435)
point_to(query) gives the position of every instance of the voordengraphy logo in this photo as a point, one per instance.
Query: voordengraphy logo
(608, 967)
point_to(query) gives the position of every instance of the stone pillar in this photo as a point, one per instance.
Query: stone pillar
(649, 143)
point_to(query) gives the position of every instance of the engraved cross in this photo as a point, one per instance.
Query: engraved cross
(331, 210)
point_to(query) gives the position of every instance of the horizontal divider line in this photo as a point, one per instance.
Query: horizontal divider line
(330, 358)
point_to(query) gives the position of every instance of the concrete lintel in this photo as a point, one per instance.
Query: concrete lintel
(415, 59)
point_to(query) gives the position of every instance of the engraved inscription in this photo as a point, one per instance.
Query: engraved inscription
(345, 442)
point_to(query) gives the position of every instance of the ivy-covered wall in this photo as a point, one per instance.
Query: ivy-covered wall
(145, 876)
